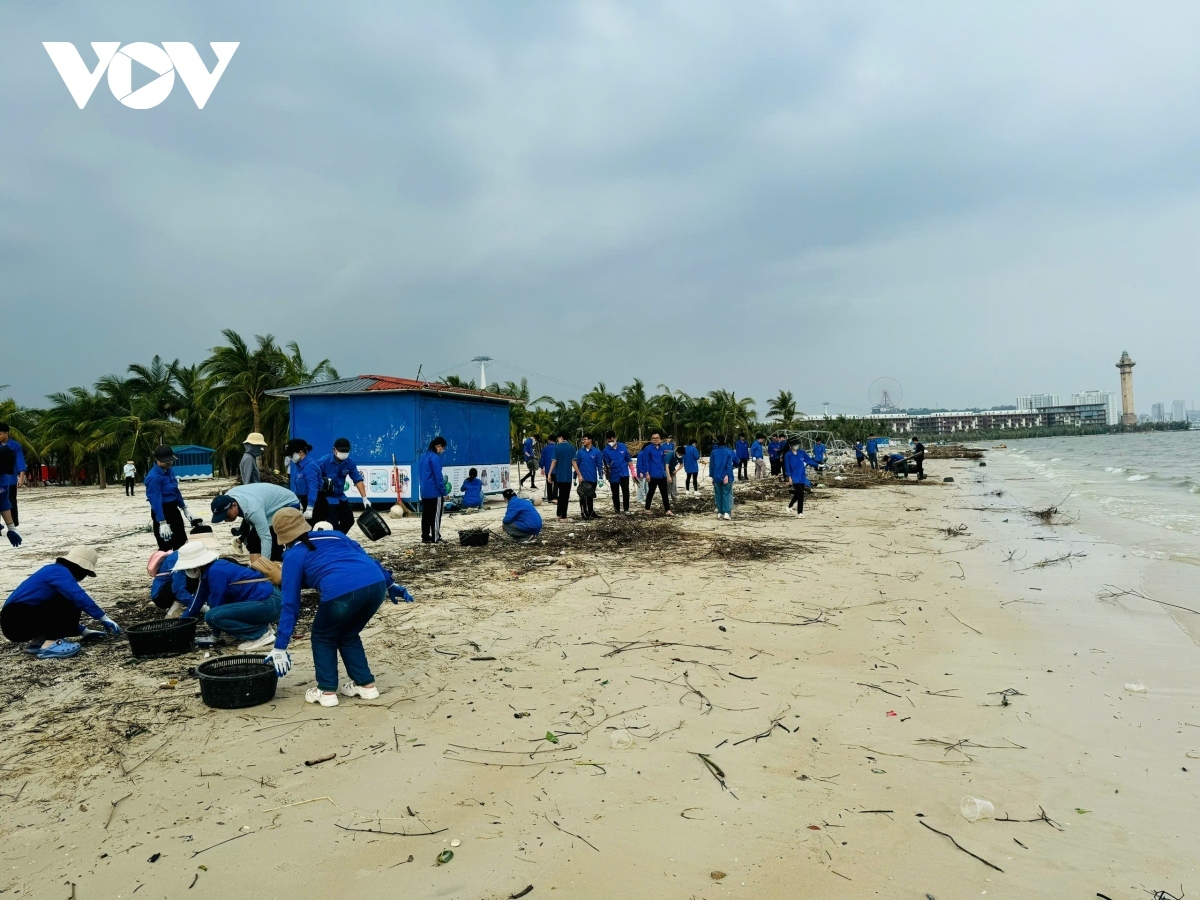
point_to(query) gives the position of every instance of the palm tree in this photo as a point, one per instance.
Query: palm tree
(731, 414)
(782, 408)
(69, 424)
(241, 377)
(638, 411)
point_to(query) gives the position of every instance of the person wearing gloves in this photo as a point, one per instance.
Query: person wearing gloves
(756, 454)
(130, 473)
(170, 513)
(252, 448)
(45, 607)
(433, 490)
(8, 462)
(776, 447)
(795, 467)
(305, 475)
(873, 452)
(352, 586)
(616, 458)
(522, 522)
(242, 603)
(531, 462)
(169, 590)
(587, 469)
(818, 455)
(255, 504)
(332, 505)
(691, 468)
(720, 469)
(859, 453)
(10, 481)
(656, 472)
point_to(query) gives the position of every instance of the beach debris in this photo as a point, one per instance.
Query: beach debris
(954, 530)
(877, 687)
(552, 737)
(1111, 593)
(320, 759)
(716, 874)
(891, 714)
(1082, 811)
(1005, 694)
(1050, 515)
(572, 834)
(770, 729)
(456, 842)
(1055, 560)
(154, 858)
(974, 808)
(521, 893)
(620, 739)
(990, 865)
(1135, 687)
(1040, 818)
(947, 479)
(444, 857)
(716, 771)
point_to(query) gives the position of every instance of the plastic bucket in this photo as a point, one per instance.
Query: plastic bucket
(235, 682)
(373, 525)
(162, 637)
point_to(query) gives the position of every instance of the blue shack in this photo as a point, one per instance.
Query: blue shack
(193, 461)
(390, 422)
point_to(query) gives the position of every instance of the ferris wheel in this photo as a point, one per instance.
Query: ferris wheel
(885, 394)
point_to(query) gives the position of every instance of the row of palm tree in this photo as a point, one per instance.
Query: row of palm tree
(214, 403)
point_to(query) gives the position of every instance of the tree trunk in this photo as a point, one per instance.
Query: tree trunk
(257, 417)
(103, 475)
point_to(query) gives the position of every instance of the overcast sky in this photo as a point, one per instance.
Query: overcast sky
(979, 200)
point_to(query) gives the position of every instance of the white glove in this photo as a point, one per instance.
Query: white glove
(187, 516)
(238, 546)
(281, 661)
(308, 515)
(164, 531)
(366, 503)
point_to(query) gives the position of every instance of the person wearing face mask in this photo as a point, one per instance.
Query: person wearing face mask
(332, 505)
(242, 603)
(656, 472)
(691, 468)
(616, 459)
(255, 505)
(166, 502)
(433, 491)
(587, 468)
(169, 589)
(252, 447)
(305, 475)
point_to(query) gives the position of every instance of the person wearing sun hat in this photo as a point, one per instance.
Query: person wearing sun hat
(352, 587)
(168, 588)
(253, 447)
(45, 607)
(242, 603)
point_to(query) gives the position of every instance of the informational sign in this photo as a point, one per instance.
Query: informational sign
(380, 482)
(495, 477)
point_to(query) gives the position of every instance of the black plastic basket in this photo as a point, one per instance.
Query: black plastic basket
(474, 537)
(373, 525)
(162, 637)
(235, 682)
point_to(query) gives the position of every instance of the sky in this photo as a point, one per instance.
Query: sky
(979, 200)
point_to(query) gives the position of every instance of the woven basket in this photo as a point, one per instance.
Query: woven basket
(162, 637)
(235, 682)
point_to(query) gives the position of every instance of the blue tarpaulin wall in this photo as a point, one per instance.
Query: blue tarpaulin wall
(193, 461)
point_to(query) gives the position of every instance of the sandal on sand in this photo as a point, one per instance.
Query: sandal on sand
(60, 649)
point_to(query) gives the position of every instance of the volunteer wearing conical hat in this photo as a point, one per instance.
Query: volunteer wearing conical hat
(45, 607)
(253, 447)
(166, 502)
(352, 586)
(242, 603)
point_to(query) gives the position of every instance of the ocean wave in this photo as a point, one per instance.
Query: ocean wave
(1139, 477)
(1116, 470)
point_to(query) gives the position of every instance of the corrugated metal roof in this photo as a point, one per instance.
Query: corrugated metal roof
(387, 384)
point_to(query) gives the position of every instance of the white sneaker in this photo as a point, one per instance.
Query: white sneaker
(350, 689)
(316, 695)
(728, 517)
(799, 515)
(263, 643)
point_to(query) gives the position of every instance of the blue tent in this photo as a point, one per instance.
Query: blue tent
(193, 461)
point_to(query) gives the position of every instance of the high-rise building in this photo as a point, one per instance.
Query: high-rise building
(1178, 411)
(1108, 398)
(1030, 402)
(1157, 412)
(1125, 366)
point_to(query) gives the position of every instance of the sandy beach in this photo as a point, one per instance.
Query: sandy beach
(898, 648)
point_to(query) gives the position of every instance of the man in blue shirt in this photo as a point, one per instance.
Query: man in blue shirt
(775, 449)
(756, 454)
(8, 464)
(10, 481)
(531, 462)
(859, 453)
(562, 468)
(587, 467)
(643, 465)
(795, 467)
(742, 452)
(656, 473)
(547, 457)
(305, 475)
(691, 468)
(166, 502)
(818, 455)
(616, 466)
(332, 505)
(433, 491)
(720, 468)
(521, 521)
(873, 452)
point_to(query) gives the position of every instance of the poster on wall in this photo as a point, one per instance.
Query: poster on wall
(380, 482)
(495, 477)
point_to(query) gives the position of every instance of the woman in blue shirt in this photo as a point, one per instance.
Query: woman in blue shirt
(242, 602)
(720, 468)
(795, 467)
(691, 468)
(472, 491)
(352, 586)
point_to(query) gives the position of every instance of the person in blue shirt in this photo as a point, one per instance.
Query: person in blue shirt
(720, 469)
(352, 587)
(169, 589)
(656, 473)
(691, 468)
(795, 467)
(544, 461)
(332, 505)
(168, 510)
(742, 451)
(8, 462)
(668, 452)
(304, 477)
(587, 467)
(432, 484)
(472, 491)
(873, 452)
(818, 455)
(45, 607)
(756, 454)
(643, 479)
(531, 463)
(241, 602)
(892, 463)
(521, 521)
(775, 450)
(616, 467)
(11, 480)
(255, 504)
(562, 470)
(859, 453)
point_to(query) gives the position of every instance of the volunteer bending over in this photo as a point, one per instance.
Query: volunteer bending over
(352, 586)
(242, 603)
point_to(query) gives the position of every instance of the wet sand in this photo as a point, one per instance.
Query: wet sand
(825, 792)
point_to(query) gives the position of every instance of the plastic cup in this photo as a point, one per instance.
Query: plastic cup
(974, 809)
(621, 739)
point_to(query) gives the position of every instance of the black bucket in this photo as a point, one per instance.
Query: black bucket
(373, 525)
(474, 537)
(201, 529)
(162, 637)
(235, 682)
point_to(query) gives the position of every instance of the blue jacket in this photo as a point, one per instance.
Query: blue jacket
(161, 487)
(546, 457)
(756, 451)
(589, 464)
(335, 566)
(306, 481)
(564, 453)
(691, 459)
(743, 449)
(429, 475)
(775, 449)
(858, 450)
(643, 460)
(872, 447)
(177, 581)
(720, 464)
(527, 446)
(472, 490)
(795, 466)
(819, 452)
(219, 584)
(53, 581)
(668, 447)
(616, 460)
(19, 467)
(521, 513)
(336, 470)
(656, 463)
